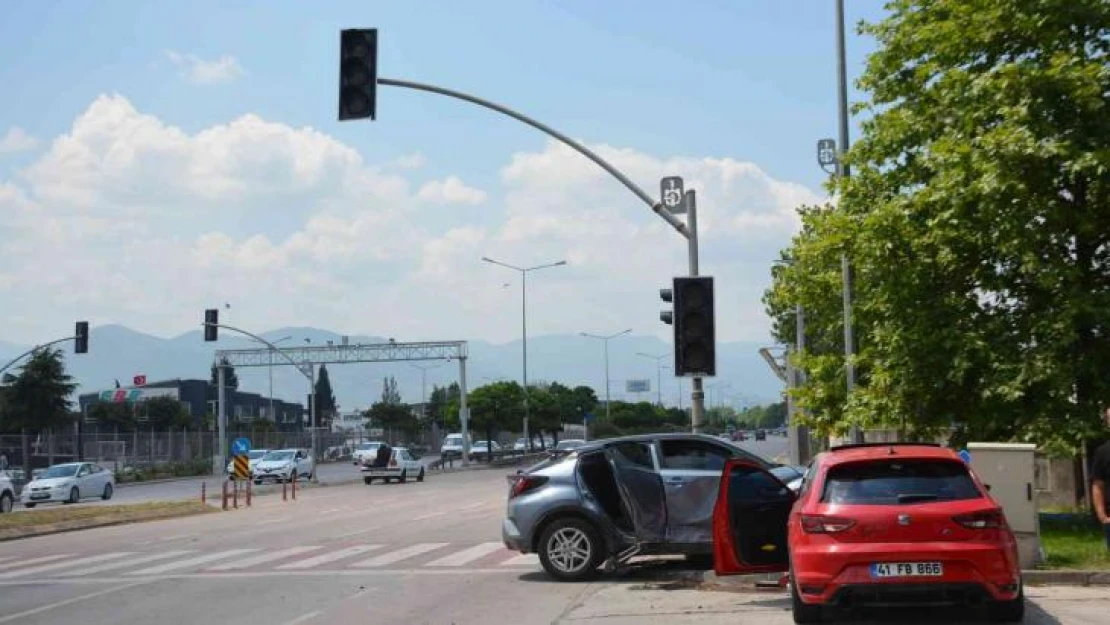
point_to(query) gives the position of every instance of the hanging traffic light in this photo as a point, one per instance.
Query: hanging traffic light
(358, 73)
(81, 338)
(211, 318)
(666, 316)
(695, 345)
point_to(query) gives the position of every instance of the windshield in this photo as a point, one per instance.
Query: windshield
(894, 482)
(278, 455)
(256, 454)
(369, 446)
(60, 470)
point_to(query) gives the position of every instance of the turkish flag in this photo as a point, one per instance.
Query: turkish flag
(140, 380)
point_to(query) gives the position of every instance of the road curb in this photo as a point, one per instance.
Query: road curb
(63, 528)
(168, 480)
(1066, 578)
(765, 581)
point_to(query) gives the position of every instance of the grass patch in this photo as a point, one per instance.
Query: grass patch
(39, 522)
(1074, 542)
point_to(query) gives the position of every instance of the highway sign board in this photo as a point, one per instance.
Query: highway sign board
(637, 386)
(671, 189)
(240, 446)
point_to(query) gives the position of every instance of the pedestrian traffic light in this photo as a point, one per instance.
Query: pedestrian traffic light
(81, 338)
(666, 316)
(358, 73)
(695, 337)
(211, 318)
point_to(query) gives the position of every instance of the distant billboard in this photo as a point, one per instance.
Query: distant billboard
(637, 386)
(131, 395)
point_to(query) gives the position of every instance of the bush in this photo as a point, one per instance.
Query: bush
(189, 468)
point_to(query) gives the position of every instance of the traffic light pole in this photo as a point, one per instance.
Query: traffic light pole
(697, 395)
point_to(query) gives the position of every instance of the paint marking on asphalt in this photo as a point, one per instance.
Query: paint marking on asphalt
(39, 560)
(65, 602)
(400, 554)
(65, 565)
(263, 559)
(330, 511)
(122, 564)
(470, 507)
(329, 557)
(363, 531)
(6, 558)
(285, 573)
(272, 521)
(304, 617)
(183, 564)
(466, 556)
(166, 539)
(429, 516)
(524, 559)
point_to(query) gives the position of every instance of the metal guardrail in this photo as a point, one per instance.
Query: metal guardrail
(502, 458)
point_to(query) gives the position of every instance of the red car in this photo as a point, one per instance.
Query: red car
(873, 524)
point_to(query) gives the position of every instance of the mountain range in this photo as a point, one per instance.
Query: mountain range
(120, 353)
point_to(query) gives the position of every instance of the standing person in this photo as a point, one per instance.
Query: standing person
(1100, 483)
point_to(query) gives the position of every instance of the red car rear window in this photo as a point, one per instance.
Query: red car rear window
(891, 482)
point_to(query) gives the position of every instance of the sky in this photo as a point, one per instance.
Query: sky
(157, 159)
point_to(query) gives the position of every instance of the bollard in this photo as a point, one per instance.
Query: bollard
(235, 495)
(294, 487)
(223, 498)
(248, 493)
(203, 493)
(284, 491)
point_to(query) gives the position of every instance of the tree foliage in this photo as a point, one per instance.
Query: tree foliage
(165, 413)
(390, 394)
(325, 406)
(230, 379)
(975, 221)
(36, 398)
(389, 413)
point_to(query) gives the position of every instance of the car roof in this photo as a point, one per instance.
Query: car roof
(882, 451)
(647, 438)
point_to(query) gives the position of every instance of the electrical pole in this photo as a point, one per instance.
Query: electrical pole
(605, 342)
(658, 374)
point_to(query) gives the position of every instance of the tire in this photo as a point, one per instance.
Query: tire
(368, 480)
(404, 476)
(558, 555)
(1012, 611)
(28, 505)
(107, 494)
(803, 612)
(7, 502)
(420, 478)
(74, 495)
(258, 482)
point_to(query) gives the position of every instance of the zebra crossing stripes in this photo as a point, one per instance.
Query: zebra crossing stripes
(524, 559)
(246, 563)
(466, 556)
(191, 562)
(328, 558)
(401, 554)
(45, 568)
(39, 560)
(123, 564)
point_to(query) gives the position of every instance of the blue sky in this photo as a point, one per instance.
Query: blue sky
(730, 93)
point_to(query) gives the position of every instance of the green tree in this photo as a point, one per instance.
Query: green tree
(392, 417)
(36, 399)
(495, 407)
(230, 379)
(324, 399)
(440, 400)
(975, 222)
(166, 413)
(119, 415)
(390, 394)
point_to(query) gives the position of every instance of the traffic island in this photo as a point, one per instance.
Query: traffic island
(28, 524)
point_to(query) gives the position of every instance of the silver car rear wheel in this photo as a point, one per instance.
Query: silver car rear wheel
(570, 549)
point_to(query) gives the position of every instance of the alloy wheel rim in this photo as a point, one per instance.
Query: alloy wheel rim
(569, 549)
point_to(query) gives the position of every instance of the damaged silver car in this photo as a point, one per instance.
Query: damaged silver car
(611, 500)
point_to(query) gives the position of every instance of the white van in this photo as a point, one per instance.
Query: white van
(452, 446)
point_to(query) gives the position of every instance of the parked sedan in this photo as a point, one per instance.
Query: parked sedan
(610, 500)
(286, 465)
(874, 524)
(254, 456)
(7, 493)
(69, 483)
(480, 450)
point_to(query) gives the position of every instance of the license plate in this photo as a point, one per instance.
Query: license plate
(41, 496)
(907, 569)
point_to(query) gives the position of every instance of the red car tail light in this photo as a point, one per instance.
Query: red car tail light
(526, 483)
(821, 524)
(992, 519)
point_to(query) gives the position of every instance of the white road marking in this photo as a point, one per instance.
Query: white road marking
(363, 531)
(429, 516)
(184, 564)
(304, 617)
(65, 565)
(524, 559)
(6, 558)
(12, 565)
(262, 559)
(466, 556)
(166, 539)
(122, 564)
(65, 602)
(329, 557)
(330, 511)
(471, 507)
(272, 521)
(400, 554)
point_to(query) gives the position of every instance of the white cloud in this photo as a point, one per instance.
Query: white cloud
(126, 219)
(450, 191)
(17, 140)
(198, 71)
(410, 161)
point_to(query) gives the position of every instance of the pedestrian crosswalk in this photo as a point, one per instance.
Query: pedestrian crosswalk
(427, 556)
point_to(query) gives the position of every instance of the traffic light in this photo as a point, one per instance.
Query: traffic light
(695, 345)
(211, 318)
(358, 73)
(81, 338)
(666, 316)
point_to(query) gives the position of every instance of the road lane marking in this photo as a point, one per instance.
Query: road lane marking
(122, 564)
(401, 554)
(165, 539)
(429, 516)
(349, 534)
(329, 557)
(330, 511)
(304, 617)
(65, 565)
(471, 507)
(262, 559)
(524, 559)
(183, 564)
(6, 558)
(12, 565)
(272, 521)
(65, 602)
(466, 556)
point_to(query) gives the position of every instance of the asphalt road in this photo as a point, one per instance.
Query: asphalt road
(415, 553)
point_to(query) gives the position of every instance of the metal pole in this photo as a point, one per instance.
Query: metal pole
(799, 449)
(221, 419)
(697, 395)
(464, 413)
(311, 415)
(843, 172)
(524, 346)
(273, 417)
(608, 403)
(659, 382)
(33, 350)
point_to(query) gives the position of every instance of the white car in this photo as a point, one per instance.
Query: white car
(402, 465)
(7, 493)
(254, 456)
(480, 449)
(452, 446)
(285, 465)
(521, 444)
(367, 450)
(69, 483)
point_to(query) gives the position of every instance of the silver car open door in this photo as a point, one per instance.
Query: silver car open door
(642, 494)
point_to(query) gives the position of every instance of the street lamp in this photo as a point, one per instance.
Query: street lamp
(658, 373)
(605, 341)
(423, 387)
(273, 416)
(524, 325)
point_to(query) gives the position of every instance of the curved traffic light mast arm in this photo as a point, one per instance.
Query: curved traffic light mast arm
(273, 347)
(657, 207)
(33, 350)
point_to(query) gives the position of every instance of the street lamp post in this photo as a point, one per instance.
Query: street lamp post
(658, 373)
(524, 326)
(605, 342)
(270, 371)
(424, 387)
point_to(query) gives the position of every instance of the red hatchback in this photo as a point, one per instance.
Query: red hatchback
(872, 525)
